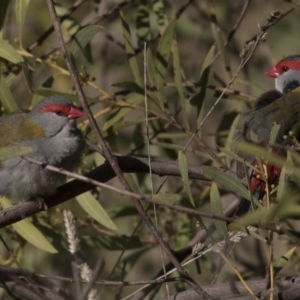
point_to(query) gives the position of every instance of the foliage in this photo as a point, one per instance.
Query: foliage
(151, 71)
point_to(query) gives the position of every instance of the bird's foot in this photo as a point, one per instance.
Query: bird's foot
(42, 203)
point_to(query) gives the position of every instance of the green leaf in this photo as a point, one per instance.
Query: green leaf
(28, 75)
(132, 183)
(249, 219)
(124, 124)
(70, 24)
(29, 232)
(162, 19)
(168, 197)
(183, 167)
(130, 86)
(9, 53)
(150, 66)
(198, 99)
(21, 8)
(178, 82)
(282, 184)
(143, 23)
(162, 57)
(121, 112)
(12, 151)
(219, 40)
(130, 51)
(258, 151)
(179, 147)
(232, 132)
(82, 38)
(6, 96)
(225, 180)
(217, 209)
(95, 210)
(283, 260)
(273, 134)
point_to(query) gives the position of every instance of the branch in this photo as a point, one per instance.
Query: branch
(102, 173)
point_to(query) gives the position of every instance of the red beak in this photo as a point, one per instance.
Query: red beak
(74, 113)
(272, 72)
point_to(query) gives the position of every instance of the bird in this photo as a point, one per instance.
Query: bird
(50, 130)
(280, 106)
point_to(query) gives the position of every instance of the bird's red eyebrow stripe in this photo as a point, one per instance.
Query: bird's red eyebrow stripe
(64, 109)
(292, 64)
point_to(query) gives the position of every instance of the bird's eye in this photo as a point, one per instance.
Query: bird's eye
(58, 112)
(284, 68)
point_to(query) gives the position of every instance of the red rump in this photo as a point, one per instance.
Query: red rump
(258, 181)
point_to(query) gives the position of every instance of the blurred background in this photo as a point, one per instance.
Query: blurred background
(112, 78)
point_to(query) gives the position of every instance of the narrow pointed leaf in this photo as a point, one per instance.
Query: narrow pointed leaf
(219, 40)
(162, 19)
(143, 23)
(273, 134)
(9, 53)
(6, 96)
(82, 38)
(250, 148)
(130, 51)
(167, 197)
(183, 167)
(217, 209)
(95, 210)
(29, 232)
(249, 219)
(198, 99)
(283, 260)
(227, 181)
(178, 82)
(130, 86)
(132, 183)
(150, 66)
(162, 58)
(282, 184)
(124, 124)
(21, 8)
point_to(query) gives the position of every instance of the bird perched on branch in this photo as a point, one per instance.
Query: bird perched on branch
(50, 130)
(280, 106)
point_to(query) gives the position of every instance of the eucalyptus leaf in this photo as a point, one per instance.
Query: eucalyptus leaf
(130, 51)
(162, 58)
(183, 167)
(29, 232)
(9, 53)
(217, 209)
(283, 260)
(143, 23)
(6, 96)
(95, 210)
(21, 8)
(82, 38)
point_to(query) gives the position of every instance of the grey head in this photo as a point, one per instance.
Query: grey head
(286, 73)
(53, 113)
